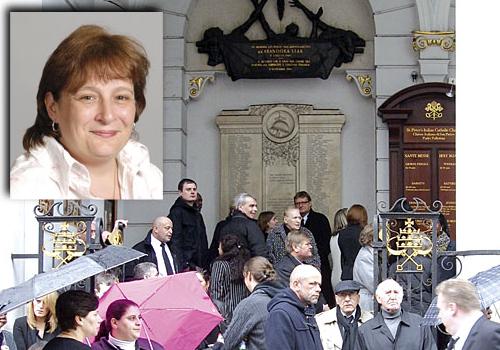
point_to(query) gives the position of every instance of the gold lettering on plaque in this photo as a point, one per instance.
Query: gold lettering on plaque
(434, 110)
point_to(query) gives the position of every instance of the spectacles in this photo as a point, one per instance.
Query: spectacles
(300, 203)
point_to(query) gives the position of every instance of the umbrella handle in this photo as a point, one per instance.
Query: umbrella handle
(147, 335)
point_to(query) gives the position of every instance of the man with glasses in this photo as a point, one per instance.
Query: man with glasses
(319, 225)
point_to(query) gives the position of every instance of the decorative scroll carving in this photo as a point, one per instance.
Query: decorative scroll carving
(363, 81)
(287, 152)
(445, 40)
(197, 83)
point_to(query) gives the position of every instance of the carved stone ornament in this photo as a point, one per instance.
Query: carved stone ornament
(197, 83)
(445, 40)
(280, 124)
(363, 80)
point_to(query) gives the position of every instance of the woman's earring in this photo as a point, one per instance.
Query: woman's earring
(54, 129)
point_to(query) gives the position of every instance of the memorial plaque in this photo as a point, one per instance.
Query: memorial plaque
(447, 186)
(429, 134)
(273, 151)
(417, 174)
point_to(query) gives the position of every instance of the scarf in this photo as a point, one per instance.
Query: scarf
(122, 344)
(349, 330)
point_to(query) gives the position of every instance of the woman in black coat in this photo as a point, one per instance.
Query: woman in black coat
(39, 324)
(348, 240)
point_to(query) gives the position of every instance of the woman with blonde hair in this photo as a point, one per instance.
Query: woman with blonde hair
(39, 324)
(339, 222)
(250, 315)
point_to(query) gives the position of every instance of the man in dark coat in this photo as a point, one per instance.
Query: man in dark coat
(189, 240)
(460, 312)
(157, 247)
(299, 249)
(243, 224)
(291, 323)
(392, 327)
(319, 225)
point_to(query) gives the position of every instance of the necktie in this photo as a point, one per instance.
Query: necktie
(451, 344)
(170, 271)
(302, 222)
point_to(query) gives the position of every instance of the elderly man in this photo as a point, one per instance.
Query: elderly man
(156, 246)
(291, 323)
(189, 240)
(276, 241)
(460, 312)
(243, 224)
(394, 328)
(339, 327)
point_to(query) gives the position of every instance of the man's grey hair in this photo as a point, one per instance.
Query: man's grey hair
(144, 269)
(241, 199)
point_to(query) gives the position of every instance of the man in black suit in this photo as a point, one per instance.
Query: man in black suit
(460, 312)
(319, 225)
(157, 247)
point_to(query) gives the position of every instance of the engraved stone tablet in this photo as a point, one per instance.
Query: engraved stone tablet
(273, 151)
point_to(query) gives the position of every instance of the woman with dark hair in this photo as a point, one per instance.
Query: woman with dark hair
(267, 221)
(76, 312)
(39, 324)
(250, 315)
(90, 96)
(226, 280)
(122, 328)
(348, 240)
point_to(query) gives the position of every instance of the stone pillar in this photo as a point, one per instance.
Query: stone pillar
(273, 151)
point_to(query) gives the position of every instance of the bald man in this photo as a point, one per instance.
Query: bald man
(157, 247)
(276, 241)
(291, 323)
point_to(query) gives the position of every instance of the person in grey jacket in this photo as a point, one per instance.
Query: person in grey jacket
(392, 327)
(250, 315)
(6, 337)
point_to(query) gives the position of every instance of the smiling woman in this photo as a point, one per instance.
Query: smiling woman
(81, 145)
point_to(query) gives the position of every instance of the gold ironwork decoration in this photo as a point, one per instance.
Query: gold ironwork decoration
(46, 206)
(363, 82)
(445, 40)
(408, 243)
(434, 110)
(67, 245)
(196, 84)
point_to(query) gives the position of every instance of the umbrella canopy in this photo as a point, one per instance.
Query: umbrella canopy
(75, 271)
(488, 289)
(176, 311)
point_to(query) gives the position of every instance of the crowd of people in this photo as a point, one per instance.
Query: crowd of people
(289, 285)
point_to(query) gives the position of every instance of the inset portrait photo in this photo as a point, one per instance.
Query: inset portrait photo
(86, 109)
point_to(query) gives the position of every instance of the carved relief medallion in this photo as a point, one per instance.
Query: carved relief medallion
(280, 124)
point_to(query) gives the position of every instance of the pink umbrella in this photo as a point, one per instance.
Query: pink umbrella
(176, 311)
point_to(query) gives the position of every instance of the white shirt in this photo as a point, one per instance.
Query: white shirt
(50, 172)
(162, 270)
(464, 330)
(304, 218)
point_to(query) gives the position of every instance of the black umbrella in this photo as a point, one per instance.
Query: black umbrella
(75, 271)
(488, 289)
